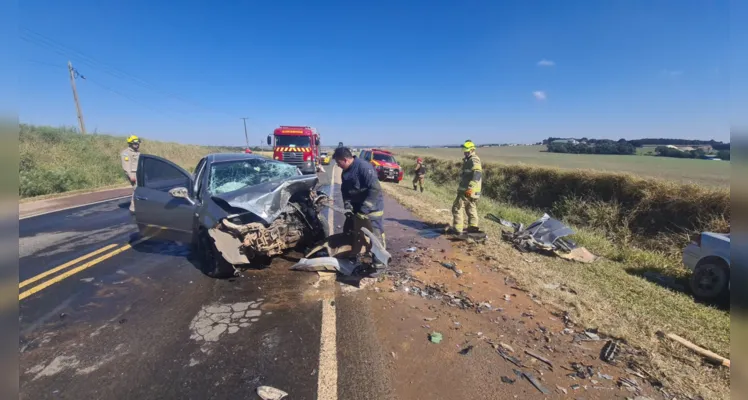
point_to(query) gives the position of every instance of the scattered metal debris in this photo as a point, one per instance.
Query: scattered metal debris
(332, 264)
(562, 390)
(467, 350)
(592, 335)
(609, 351)
(544, 235)
(535, 383)
(270, 393)
(509, 358)
(540, 358)
(411, 250)
(508, 380)
(453, 267)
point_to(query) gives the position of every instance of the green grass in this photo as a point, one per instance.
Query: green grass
(701, 172)
(59, 160)
(610, 293)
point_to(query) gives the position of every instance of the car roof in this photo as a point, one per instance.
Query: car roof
(220, 157)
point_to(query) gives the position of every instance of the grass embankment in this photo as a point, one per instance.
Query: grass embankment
(58, 160)
(636, 225)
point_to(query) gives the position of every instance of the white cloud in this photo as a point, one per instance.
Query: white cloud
(546, 63)
(539, 94)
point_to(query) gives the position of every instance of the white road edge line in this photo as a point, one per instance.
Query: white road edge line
(72, 207)
(327, 375)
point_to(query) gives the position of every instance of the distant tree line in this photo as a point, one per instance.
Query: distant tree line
(591, 146)
(716, 145)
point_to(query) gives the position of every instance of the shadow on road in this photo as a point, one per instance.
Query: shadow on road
(677, 284)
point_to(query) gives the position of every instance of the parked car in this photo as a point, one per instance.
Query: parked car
(233, 209)
(325, 158)
(708, 257)
(388, 169)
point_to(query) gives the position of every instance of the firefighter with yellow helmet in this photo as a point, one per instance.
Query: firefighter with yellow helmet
(468, 192)
(129, 158)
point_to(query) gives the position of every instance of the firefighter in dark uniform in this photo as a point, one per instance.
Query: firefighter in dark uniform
(362, 199)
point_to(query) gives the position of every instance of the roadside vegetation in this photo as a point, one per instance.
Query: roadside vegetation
(59, 159)
(638, 226)
(644, 164)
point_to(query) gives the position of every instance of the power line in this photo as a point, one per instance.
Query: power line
(51, 44)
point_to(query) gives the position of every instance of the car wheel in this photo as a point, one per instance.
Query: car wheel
(710, 280)
(211, 261)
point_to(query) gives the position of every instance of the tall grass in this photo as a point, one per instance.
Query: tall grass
(58, 159)
(650, 214)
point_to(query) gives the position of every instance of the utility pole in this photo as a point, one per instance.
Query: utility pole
(246, 137)
(73, 73)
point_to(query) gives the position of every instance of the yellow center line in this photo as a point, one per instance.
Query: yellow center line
(63, 266)
(74, 271)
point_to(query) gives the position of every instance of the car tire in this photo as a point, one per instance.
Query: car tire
(710, 280)
(213, 265)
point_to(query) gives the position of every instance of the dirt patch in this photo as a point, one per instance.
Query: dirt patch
(602, 296)
(495, 336)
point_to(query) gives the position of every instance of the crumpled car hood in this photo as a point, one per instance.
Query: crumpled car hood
(267, 200)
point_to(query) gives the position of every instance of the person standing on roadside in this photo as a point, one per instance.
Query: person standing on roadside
(129, 158)
(420, 174)
(363, 200)
(468, 192)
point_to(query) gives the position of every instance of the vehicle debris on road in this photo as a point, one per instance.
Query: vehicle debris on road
(270, 393)
(544, 235)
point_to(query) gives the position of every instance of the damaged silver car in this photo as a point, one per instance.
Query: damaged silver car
(234, 210)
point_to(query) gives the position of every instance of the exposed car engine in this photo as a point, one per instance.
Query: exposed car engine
(298, 224)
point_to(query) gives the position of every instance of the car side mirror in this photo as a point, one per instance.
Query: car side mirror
(181, 193)
(316, 142)
(270, 141)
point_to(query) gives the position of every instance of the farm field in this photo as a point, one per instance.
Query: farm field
(702, 172)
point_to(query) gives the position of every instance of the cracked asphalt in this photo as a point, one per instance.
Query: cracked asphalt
(146, 323)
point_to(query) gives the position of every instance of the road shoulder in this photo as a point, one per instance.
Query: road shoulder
(47, 205)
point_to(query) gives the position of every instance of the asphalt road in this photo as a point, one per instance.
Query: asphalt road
(144, 322)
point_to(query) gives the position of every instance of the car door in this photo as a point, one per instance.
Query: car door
(156, 210)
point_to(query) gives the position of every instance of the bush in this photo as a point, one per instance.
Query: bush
(655, 214)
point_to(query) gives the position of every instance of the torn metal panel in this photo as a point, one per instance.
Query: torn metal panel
(545, 234)
(268, 200)
(547, 230)
(377, 249)
(332, 264)
(229, 246)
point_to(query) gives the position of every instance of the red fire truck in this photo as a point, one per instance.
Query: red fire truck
(296, 145)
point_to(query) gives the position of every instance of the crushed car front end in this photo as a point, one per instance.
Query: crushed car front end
(267, 220)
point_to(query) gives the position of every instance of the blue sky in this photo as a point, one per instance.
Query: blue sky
(385, 72)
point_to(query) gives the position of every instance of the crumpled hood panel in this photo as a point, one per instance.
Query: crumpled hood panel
(267, 200)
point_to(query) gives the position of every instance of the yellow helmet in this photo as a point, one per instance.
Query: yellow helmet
(133, 139)
(468, 145)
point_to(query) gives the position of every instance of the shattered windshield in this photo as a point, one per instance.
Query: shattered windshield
(293, 140)
(234, 175)
(384, 158)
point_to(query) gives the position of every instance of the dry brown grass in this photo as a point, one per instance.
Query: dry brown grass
(608, 296)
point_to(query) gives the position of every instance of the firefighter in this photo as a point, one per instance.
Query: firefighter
(420, 174)
(129, 158)
(468, 192)
(362, 199)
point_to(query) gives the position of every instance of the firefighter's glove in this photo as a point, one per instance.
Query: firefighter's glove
(362, 216)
